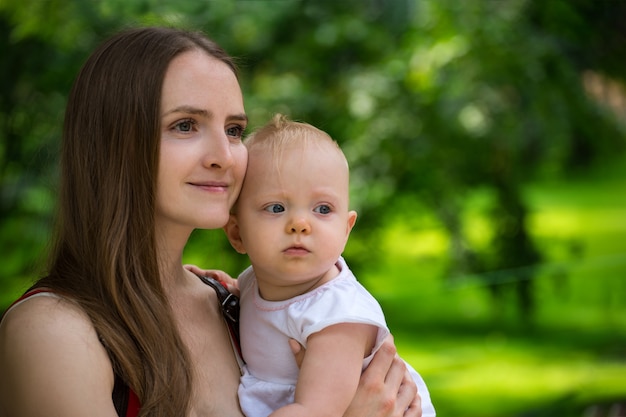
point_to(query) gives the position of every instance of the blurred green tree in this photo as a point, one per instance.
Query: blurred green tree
(431, 99)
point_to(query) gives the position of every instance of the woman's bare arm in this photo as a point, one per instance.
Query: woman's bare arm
(52, 363)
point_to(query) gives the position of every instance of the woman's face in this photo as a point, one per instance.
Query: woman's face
(203, 160)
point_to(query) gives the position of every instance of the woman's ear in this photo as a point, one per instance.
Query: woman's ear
(232, 233)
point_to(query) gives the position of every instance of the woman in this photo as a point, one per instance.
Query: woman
(151, 150)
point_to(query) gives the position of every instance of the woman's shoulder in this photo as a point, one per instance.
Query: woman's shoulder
(46, 323)
(44, 311)
(49, 341)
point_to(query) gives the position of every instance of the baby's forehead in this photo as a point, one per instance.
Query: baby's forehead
(310, 148)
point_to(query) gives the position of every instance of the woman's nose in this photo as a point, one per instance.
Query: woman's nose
(218, 152)
(299, 225)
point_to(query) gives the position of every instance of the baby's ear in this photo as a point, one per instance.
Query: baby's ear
(351, 220)
(232, 233)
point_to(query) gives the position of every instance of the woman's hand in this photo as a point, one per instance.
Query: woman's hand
(385, 389)
(226, 280)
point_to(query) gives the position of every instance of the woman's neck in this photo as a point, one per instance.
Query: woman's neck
(170, 247)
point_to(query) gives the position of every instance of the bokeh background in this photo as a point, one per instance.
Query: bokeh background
(488, 152)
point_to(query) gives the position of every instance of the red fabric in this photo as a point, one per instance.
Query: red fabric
(26, 295)
(133, 404)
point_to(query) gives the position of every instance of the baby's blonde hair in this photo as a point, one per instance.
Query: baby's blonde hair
(280, 131)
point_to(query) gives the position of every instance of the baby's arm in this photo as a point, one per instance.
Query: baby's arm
(386, 388)
(330, 371)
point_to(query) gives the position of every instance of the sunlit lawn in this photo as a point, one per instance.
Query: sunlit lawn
(572, 356)
(481, 364)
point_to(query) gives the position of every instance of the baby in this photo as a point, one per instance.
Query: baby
(293, 220)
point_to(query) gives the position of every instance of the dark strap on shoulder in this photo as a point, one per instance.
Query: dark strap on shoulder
(120, 396)
(125, 400)
(229, 303)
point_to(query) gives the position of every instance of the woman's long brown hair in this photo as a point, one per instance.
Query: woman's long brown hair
(104, 255)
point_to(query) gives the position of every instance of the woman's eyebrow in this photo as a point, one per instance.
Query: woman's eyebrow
(189, 110)
(202, 112)
(242, 117)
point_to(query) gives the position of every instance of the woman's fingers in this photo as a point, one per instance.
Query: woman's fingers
(386, 389)
(399, 381)
(408, 397)
(381, 366)
(400, 391)
(297, 350)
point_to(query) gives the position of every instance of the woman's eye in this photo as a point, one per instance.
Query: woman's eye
(275, 208)
(185, 126)
(235, 131)
(323, 209)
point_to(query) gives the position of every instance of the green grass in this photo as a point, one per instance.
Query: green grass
(480, 363)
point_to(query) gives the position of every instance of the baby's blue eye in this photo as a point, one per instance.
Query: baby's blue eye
(275, 208)
(323, 209)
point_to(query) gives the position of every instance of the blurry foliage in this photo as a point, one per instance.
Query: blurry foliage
(431, 100)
